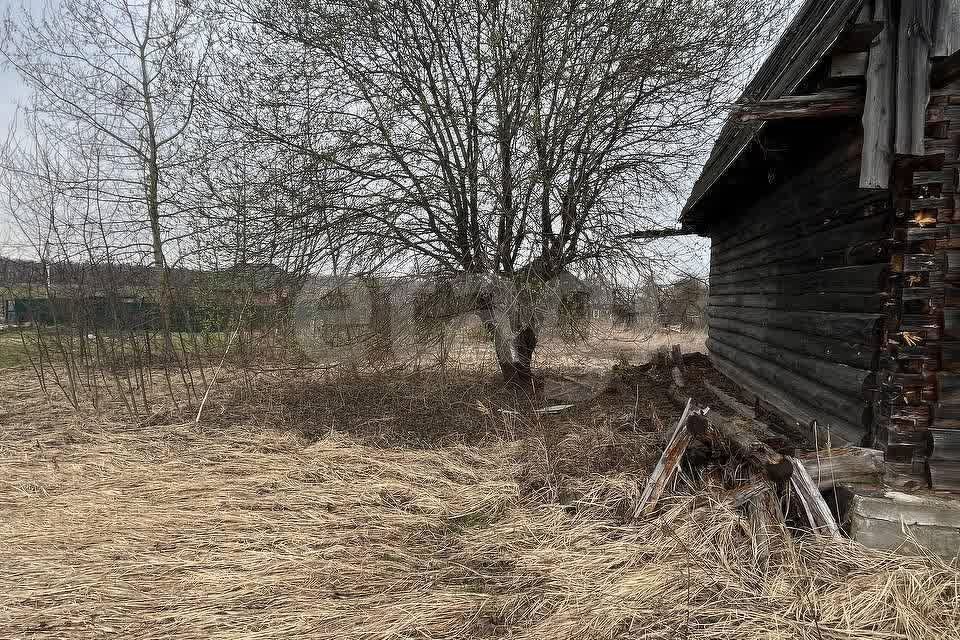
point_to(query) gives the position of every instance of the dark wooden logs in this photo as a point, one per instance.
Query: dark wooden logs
(859, 328)
(860, 279)
(792, 246)
(818, 105)
(802, 204)
(849, 381)
(804, 409)
(826, 301)
(827, 349)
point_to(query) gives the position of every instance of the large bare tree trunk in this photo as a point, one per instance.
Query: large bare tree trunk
(381, 319)
(508, 316)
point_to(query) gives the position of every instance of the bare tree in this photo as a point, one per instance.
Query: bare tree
(508, 141)
(118, 80)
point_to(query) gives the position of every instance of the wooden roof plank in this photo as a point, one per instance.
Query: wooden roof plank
(810, 36)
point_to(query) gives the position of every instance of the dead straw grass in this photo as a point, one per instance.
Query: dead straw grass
(236, 530)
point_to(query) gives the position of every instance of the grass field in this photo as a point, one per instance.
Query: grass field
(12, 351)
(408, 506)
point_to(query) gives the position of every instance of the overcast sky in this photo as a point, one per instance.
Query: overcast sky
(11, 89)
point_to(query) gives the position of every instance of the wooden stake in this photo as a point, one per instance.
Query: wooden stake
(667, 466)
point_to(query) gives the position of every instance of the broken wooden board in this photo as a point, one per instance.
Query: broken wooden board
(556, 408)
(903, 522)
(668, 464)
(818, 512)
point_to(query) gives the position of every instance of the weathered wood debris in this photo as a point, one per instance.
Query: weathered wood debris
(832, 491)
(768, 467)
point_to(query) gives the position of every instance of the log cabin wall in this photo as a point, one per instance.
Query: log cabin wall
(835, 295)
(798, 283)
(919, 425)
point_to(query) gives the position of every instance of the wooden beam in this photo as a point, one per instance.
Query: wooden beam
(913, 75)
(747, 445)
(946, 34)
(817, 105)
(876, 162)
(846, 465)
(858, 37)
(847, 66)
(653, 234)
(945, 71)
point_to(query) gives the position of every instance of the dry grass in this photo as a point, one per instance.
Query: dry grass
(238, 529)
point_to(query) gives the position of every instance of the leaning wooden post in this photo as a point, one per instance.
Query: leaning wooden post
(667, 466)
(818, 512)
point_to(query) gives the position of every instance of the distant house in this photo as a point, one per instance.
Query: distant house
(830, 198)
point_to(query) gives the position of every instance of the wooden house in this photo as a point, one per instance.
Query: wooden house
(831, 201)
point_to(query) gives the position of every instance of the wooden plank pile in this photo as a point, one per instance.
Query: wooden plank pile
(857, 481)
(770, 469)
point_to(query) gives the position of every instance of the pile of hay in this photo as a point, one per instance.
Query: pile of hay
(240, 531)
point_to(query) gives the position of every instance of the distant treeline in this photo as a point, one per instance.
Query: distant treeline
(105, 312)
